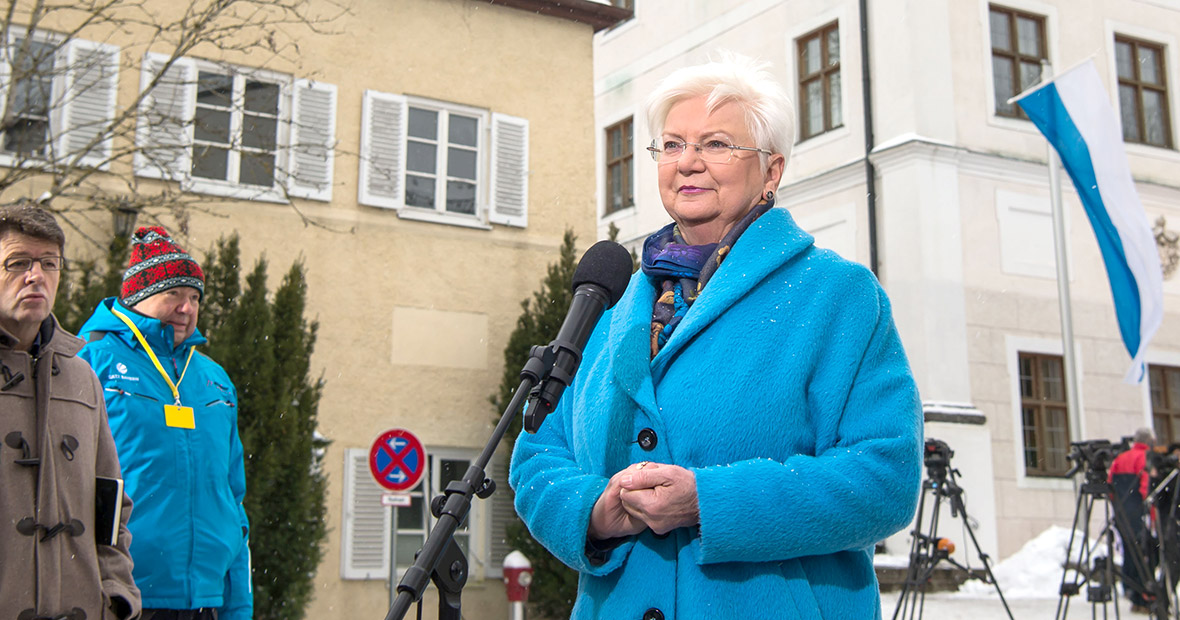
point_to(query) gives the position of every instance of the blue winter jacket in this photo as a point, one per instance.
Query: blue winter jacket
(190, 529)
(785, 390)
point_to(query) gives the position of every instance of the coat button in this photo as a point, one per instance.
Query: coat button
(653, 614)
(648, 440)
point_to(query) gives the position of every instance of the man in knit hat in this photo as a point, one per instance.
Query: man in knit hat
(174, 415)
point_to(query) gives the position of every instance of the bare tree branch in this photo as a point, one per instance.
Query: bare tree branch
(85, 165)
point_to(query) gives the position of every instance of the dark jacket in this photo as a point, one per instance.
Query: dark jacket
(1128, 475)
(55, 442)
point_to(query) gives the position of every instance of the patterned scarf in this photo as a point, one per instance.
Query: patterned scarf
(680, 271)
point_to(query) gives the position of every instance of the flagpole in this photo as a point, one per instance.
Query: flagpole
(1061, 243)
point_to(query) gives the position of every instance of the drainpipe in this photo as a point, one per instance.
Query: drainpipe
(870, 171)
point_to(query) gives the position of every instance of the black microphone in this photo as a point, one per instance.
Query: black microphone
(599, 282)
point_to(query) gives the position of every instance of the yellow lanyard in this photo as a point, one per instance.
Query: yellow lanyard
(175, 386)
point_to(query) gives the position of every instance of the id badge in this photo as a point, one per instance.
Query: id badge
(178, 416)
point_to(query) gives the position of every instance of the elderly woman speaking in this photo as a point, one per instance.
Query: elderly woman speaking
(744, 426)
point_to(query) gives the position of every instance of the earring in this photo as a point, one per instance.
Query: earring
(769, 195)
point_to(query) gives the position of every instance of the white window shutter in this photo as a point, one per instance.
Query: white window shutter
(510, 171)
(5, 58)
(384, 120)
(313, 140)
(88, 103)
(165, 120)
(364, 537)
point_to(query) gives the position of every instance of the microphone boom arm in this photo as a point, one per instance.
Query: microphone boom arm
(441, 560)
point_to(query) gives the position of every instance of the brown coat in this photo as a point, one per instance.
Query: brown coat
(54, 404)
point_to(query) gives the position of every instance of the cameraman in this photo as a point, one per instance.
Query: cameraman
(1164, 480)
(1131, 482)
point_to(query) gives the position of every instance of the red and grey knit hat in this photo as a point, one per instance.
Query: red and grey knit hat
(157, 264)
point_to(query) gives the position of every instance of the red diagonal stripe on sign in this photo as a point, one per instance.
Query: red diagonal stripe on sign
(395, 460)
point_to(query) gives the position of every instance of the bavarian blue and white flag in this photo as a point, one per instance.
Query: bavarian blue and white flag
(1073, 111)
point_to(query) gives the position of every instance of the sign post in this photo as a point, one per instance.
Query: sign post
(397, 462)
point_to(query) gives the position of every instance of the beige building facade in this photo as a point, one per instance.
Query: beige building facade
(951, 210)
(424, 158)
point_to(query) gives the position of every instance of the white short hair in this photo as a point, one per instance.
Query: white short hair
(734, 78)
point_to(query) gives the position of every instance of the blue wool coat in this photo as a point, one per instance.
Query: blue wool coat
(786, 391)
(190, 548)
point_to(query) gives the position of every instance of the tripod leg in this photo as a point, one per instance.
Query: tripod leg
(914, 564)
(955, 493)
(957, 500)
(922, 561)
(1110, 563)
(1081, 513)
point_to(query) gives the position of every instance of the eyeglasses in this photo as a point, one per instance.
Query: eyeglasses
(711, 151)
(48, 263)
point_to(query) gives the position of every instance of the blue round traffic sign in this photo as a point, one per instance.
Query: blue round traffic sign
(397, 460)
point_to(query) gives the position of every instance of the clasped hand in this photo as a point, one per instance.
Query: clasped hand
(646, 495)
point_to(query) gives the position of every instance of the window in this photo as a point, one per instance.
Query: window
(235, 131)
(61, 95)
(620, 191)
(1165, 402)
(1044, 414)
(365, 539)
(624, 4)
(32, 90)
(819, 81)
(443, 162)
(412, 520)
(1143, 92)
(1018, 47)
(442, 159)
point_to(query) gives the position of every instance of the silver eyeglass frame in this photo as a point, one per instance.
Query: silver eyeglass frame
(656, 152)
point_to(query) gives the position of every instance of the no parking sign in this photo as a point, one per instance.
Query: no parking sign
(397, 460)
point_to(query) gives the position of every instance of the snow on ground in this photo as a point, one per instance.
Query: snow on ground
(1029, 579)
(1032, 572)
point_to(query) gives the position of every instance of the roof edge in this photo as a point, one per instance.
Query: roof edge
(599, 16)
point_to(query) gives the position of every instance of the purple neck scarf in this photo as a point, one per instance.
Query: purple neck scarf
(680, 271)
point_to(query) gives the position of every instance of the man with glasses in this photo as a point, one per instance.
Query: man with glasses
(63, 515)
(174, 416)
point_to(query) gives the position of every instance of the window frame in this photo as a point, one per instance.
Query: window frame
(165, 131)
(432, 486)
(1139, 86)
(502, 197)
(358, 480)
(624, 165)
(823, 75)
(1169, 431)
(232, 187)
(56, 45)
(84, 80)
(483, 147)
(1040, 404)
(1013, 56)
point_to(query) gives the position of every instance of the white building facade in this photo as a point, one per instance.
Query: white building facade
(950, 207)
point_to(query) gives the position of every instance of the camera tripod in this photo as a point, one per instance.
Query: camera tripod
(1164, 498)
(1098, 572)
(928, 549)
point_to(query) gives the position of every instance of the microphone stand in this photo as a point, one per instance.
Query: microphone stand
(441, 560)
